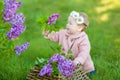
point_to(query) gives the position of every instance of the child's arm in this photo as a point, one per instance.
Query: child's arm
(84, 51)
(53, 36)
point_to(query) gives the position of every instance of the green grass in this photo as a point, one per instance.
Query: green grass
(103, 34)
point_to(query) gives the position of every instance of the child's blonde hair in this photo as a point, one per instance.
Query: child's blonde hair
(85, 16)
(81, 18)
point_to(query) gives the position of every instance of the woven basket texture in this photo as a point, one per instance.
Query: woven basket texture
(78, 74)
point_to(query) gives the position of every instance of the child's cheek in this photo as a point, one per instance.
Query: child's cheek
(68, 26)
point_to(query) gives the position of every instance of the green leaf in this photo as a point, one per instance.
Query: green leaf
(70, 51)
(36, 63)
(41, 60)
(55, 70)
(71, 57)
(59, 48)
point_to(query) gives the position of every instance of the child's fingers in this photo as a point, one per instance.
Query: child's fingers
(76, 63)
(45, 32)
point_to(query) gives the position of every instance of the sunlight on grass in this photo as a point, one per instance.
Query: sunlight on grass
(114, 3)
(107, 5)
(104, 17)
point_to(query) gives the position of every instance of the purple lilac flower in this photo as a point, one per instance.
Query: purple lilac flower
(12, 7)
(21, 48)
(15, 31)
(8, 2)
(56, 58)
(66, 67)
(18, 19)
(12, 4)
(46, 70)
(52, 19)
(61, 58)
(8, 15)
(15, 19)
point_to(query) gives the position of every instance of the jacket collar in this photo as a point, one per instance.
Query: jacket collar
(75, 36)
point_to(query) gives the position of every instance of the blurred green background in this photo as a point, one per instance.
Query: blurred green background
(103, 32)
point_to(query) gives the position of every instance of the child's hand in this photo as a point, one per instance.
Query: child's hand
(45, 33)
(76, 63)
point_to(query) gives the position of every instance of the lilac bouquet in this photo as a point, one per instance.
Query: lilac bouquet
(52, 19)
(49, 22)
(57, 63)
(11, 16)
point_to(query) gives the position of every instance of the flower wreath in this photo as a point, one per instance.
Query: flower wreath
(79, 19)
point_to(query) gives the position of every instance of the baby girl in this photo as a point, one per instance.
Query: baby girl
(75, 39)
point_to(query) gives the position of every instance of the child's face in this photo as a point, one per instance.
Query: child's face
(72, 27)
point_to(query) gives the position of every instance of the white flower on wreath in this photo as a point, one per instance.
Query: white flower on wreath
(74, 14)
(79, 19)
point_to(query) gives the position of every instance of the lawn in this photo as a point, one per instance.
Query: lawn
(103, 32)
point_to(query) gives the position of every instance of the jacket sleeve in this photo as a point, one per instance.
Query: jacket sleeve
(53, 36)
(84, 51)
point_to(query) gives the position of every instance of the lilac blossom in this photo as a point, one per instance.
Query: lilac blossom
(15, 31)
(61, 58)
(18, 19)
(12, 7)
(52, 19)
(56, 58)
(46, 70)
(12, 4)
(21, 48)
(66, 67)
(8, 2)
(8, 15)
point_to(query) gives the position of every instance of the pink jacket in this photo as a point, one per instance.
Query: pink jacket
(79, 44)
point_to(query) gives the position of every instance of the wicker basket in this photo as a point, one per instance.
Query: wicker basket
(78, 74)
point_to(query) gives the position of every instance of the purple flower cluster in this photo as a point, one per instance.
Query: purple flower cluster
(17, 20)
(21, 48)
(65, 66)
(52, 19)
(15, 31)
(12, 4)
(56, 58)
(46, 70)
